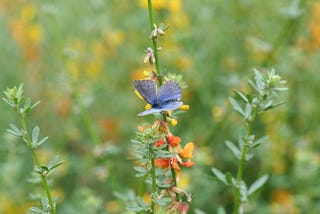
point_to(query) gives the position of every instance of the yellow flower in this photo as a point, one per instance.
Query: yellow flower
(34, 33)
(28, 12)
(186, 152)
(156, 4)
(173, 121)
(184, 107)
(148, 106)
(175, 5)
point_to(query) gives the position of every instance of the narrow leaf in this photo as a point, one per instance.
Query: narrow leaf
(258, 184)
(248, 112)
(141, 174)
(236, 106)
(233, 148)
(259, 141)
(221, 177)
(34, 105)
(43, 140)
(27, 105)
(35, 135)
(140, 169)
(53, 161)
(135, 208)
(241, 96)
(36, 210)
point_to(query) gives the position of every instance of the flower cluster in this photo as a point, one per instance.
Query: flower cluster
(181, 156)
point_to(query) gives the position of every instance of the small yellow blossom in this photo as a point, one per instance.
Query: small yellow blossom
(172, 121)
(146, 198)
(148, 106)
(184, 107)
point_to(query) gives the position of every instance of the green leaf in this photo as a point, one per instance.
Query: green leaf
(233, 148)
(140, 169)
(236, 106)
(140, 202)
(35, 135)
(54, 163)
(243, 191)
(15, 131)
(36, 210)
(163, 201)
(43, 140)
(141, 174)
(27, 105)
(248, 112)
(248, 156)
(221, 177)
(135, 208)
(241, 96)
(258, 184)
(34, 105)
(259, 141)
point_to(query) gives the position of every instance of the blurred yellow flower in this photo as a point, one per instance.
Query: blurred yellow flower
(171, 5)
(218, 113)
(156, 4)
(175, 5)
(94, 67)
(283, 202)
(114, 38)
(28, 13)
(184, 180)
(34, 33)
(113, 207)
(12, 207)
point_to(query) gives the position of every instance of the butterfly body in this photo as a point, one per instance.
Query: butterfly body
(167, 98)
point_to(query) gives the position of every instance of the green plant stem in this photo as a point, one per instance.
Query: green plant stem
(37, 164)
(154, 184)
(154, 42)
(237, 195)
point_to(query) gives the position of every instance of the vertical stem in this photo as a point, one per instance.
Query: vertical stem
(154, 42)
(237, 201)
(37, 163)
(154, 184)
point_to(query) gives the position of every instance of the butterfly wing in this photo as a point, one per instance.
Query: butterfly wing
(165, 107)
(170, 106)
(169, 92)
(149, 111)
(147, 89)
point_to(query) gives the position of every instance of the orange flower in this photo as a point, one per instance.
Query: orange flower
(159, 143)
(163, 163)
(186, 152)
(188, 164)
(173, 140)
(175, 164)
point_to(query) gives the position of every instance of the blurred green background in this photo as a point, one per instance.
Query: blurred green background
(79, 57)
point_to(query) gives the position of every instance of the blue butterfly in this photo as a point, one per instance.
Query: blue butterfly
(167, 98)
